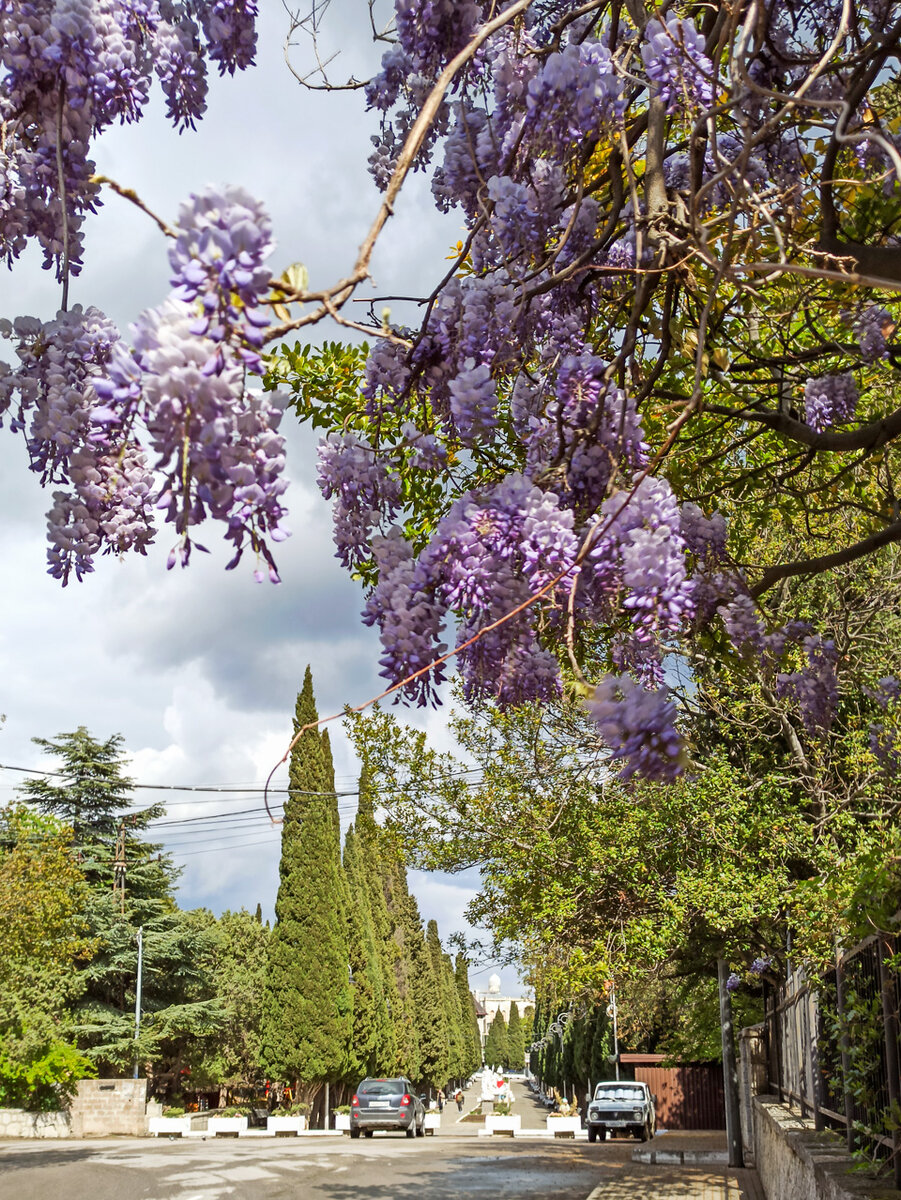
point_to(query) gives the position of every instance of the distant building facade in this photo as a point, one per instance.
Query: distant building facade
(490, 1001)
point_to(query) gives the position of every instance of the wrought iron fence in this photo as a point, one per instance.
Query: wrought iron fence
(833, 1049)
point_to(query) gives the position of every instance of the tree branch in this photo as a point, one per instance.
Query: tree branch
(826, 562)
(865, 437)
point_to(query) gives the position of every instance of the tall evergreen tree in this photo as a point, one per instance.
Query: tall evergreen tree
(307, 1009)
(91, 792)
(496, 1054)
(516, 1050)
(472, 1037)
(456, 1033)
(374, 868)
(424, 994)
(373, 871)
(439, 1016)
(370, 1011)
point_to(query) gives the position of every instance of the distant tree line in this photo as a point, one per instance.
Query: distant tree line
(347, 983)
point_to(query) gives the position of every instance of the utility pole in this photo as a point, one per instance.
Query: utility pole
(138, 994)
(119, 868)
(730, 1075)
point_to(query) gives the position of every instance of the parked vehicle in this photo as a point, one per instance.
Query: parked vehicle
(386, 1104)
(619, 1105)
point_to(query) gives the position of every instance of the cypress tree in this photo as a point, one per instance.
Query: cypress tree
(306, 1028)
(370, 1013)
(440, 1018)
(496, 1043)
(428, 1012)
(472, 1038)
(412, 971)
(375, 866)
(599, 1066)
(516, 1051)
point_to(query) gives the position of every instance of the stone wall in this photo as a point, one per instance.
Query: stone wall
(99, 1108)
(105, 1106)
(796, 1162)
(17, 1123)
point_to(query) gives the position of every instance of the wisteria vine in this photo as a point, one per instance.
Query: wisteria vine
(570, 532)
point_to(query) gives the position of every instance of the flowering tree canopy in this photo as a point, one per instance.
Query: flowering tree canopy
(676, 285)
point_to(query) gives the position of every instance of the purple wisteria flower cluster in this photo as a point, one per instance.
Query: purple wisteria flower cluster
(94, 409)
(71, 68)
(830, 400)
(680, 72)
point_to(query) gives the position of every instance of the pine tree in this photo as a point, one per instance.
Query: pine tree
(91, 792)
(516, 1051)
(496, 1054)
(307, 1011)
(472, 1037)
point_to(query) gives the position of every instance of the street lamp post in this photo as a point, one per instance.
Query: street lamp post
(138, 995)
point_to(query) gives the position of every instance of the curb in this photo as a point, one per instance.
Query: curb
(681, 1158)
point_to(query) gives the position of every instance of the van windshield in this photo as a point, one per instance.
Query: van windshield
(619, 1092)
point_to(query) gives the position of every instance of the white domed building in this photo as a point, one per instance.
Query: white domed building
(489, 1002)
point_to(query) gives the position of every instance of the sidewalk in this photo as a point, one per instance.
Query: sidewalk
(641, 1182)
(682, 1165)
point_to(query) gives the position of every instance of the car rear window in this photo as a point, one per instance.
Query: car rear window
(381, 1087)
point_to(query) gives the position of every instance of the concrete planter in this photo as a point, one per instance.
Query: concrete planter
(509, 1124)
(227, 1126)
(342, 1122)
(169, 1126)
(286, 1126)
(564, 1126)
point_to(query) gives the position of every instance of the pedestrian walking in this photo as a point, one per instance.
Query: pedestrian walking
(458, 1096)
(440, 1100)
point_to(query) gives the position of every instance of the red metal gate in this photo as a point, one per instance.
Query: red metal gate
(689, 1095)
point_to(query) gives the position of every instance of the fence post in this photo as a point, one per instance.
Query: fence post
(890, 1027)
(845, 1048)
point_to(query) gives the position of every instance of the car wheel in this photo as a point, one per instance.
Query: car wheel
(420, 1128)
(602, 1133)
(355, 1133)
(411, 1132)
(592, 1134)
(641, 1132)
(368, 1132)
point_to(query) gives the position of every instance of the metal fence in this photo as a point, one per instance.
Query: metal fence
(833, 1049)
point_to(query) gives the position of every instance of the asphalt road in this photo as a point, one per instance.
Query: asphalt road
(387, 1167)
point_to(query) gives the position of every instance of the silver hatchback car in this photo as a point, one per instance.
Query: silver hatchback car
(386, 1104)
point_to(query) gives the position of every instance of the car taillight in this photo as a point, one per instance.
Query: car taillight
(406, 1099)
(355, 1102)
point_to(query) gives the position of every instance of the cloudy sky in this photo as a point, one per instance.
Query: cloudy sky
(199, 669)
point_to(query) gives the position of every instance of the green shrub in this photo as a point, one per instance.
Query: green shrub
(40, 1073)
(173, 1110)
(341, 1108)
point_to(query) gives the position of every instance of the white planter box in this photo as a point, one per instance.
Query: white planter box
(432, 1122)
(564, 1125)
(286, 1125)
(169, 1126)
(494, 1123)
(342, 1122)
(226, 1125)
